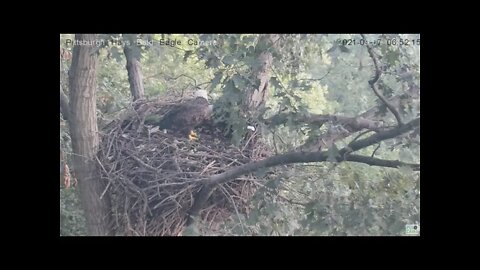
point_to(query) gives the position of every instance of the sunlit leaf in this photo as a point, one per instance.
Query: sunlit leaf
(116, 54)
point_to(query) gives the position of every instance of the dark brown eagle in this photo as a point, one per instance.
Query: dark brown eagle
(185, 117)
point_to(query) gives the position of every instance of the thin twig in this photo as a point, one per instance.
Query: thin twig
(378, 146)
(373, 81)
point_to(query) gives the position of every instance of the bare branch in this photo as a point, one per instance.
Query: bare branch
(374, 151)
(319, 79)
(381, 162)
(373, 81)
(300, 157)
(381, 136)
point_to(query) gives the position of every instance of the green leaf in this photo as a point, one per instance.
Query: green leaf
(294, 84)
(261, 45)
(275, 82)
(251, 51)
(310, 207)
(213, 62)
(238, 81)
(216, 79)
(186, 55)
(116, 54)
(305, 86)
(303, 110)
(237, 136)
(286, 102)
(392, 56)
(152, 119)
(228, 60)
(230, 91)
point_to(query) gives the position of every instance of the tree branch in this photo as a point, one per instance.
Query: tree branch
(374, 151)
(299, 157)
(380, 136)
(373, 114)
(373, 81)
(64, 105)
(381, 162)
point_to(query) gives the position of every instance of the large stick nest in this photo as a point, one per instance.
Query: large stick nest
(153, 177)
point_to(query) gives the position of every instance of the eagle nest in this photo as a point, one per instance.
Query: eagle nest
(153, 177)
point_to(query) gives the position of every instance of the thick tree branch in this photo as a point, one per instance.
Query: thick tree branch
(380, 162)
(134, 70)
(64, 105)
(373, 81)
(374, 115)
(299, 157)
(380, 136)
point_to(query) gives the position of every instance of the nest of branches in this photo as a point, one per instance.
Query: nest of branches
(153, 177)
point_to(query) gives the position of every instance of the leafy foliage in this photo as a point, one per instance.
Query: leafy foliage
(72, 220)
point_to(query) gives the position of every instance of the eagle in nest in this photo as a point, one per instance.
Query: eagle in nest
(185, 117)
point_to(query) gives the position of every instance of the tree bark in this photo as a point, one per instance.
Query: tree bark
(84, 133)
(64, 105)
(257, 94)
(134, 69)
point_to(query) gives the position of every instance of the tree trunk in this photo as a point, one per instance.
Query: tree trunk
(135, 78)
(84, 133)
(258, 94)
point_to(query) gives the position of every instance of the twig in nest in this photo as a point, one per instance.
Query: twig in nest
(152, 186)
(225, 192)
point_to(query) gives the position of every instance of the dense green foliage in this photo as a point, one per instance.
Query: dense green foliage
(311, 74)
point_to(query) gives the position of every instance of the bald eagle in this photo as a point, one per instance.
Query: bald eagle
(185, 117)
